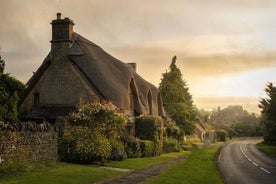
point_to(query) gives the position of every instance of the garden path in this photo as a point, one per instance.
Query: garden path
(137, 176)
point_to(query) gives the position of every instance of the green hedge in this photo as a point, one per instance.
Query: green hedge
(147, 148)
(221, 135)
(171, 145)
(132, 147)
(145, 126)
(149, 127)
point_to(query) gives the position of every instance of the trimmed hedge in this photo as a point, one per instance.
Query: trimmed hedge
(146, 126)
(150, 127)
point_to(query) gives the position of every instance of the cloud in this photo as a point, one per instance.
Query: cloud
(197, 65)
(211, 39)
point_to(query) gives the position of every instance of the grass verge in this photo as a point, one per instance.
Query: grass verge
(65, 173)
(141, 163)
(270, 150)
(61, 173)
(199, 167)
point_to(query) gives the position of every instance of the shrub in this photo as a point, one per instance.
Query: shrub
(221, 134)
(150, 127)
(146, 126)
(174, 132)
(102, 117)
(94, 130)
(132, 147)
(118, 152)
(147, 148)
(210, 136)
(80, 145)
(192, 142)
(171, 145)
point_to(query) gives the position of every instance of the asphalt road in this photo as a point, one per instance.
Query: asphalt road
(240, 162)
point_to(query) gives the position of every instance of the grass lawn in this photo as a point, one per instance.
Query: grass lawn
(141, 163)
(270, 150)
(61, 173)
(199, 167)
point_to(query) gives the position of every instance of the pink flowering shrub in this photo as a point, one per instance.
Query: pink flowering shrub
(95, 129)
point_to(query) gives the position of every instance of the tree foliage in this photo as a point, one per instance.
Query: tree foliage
(177, 99)
(236, 120)
(183, 115)
(268, 110)
(173, 88)
(9, 87)
(221, 135)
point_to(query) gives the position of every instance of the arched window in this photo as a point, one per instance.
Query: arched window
(149, 102)
(133, 99)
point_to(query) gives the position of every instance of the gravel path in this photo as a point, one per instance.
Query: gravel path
(138, 176)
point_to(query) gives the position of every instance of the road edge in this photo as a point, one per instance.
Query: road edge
(217, 160)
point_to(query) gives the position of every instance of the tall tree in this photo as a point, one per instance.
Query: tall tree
(9, 87)
(268, 110)
(173, 88)
(177, 99)
(2, 65)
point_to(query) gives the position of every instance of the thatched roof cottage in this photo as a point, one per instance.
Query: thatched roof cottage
(77, 69)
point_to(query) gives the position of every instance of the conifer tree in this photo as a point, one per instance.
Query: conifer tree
(268, 110)
(177, 99)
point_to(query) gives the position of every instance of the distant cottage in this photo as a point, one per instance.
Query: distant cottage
(77, 69)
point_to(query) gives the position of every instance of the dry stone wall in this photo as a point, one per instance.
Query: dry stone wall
(27, 142)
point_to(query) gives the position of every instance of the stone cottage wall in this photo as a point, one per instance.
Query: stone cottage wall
(28, 142)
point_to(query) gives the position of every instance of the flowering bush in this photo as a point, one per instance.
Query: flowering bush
(102, 117)
(94, 130)
(80, 145)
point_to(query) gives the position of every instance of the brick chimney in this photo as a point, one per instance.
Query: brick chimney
(62, 30)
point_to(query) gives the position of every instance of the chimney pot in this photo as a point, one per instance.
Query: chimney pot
(58, 16)
(133, 65)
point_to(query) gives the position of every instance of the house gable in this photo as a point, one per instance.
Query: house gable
(61, 85)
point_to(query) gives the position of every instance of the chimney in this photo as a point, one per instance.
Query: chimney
(62, 31)
(133, 65)
(58, 16)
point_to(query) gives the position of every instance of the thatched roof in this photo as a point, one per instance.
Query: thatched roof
(109, 77)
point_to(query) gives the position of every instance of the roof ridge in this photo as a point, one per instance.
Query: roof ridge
(79, 38)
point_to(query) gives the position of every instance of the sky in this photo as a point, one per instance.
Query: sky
(226, 50)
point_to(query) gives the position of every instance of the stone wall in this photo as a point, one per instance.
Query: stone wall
(28, 142)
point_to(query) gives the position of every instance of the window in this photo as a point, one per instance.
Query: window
(133, 99)
(36, 100)
(149, 102)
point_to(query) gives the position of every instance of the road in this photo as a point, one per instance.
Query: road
(240, 162)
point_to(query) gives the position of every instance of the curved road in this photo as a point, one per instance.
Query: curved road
(240, 162)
